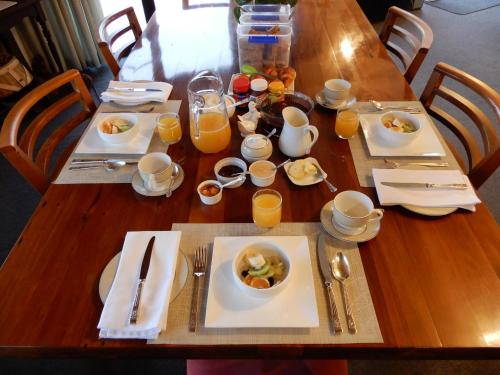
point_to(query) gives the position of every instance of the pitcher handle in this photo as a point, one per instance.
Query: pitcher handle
(315, 135)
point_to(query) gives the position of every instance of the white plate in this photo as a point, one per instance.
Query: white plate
(340, 104)
(92, 143)
(130, 102)
(371, 231)
(229, 307)
(427, 144)
(307, 180)
(108, 275)
(430, 211)
(138, 184)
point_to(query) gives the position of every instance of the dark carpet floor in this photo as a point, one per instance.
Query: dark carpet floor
(479, 31)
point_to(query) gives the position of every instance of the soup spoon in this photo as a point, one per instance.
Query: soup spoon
(341, 271)
(109, 165)
(379, 106)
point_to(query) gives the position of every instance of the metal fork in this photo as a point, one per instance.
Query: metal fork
(395, 164)
(319, 174)
(199, 270)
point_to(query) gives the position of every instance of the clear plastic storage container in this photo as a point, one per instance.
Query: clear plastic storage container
(263, 18)
(267, 8)
(261, 45)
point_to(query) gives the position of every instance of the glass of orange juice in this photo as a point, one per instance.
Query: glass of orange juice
(346, 124)
(266, 208)
(169, 128)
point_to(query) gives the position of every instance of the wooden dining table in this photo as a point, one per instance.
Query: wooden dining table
(434, 281)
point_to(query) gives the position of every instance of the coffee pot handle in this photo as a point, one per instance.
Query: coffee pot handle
(315, 135)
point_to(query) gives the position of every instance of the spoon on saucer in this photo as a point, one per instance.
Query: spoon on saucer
(341, 271)
(109, 165)
(175, 173)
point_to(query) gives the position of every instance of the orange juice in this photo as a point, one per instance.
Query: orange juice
(215, 132)
(346, 124)
(266, 208)
(169, 129)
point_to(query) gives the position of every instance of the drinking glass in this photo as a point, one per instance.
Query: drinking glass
(169, 128)
(266, 208)
(346, 123)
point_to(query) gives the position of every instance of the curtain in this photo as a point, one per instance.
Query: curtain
(73, 26)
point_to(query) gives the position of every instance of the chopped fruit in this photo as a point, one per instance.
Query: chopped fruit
(259, 283)
(248, 279)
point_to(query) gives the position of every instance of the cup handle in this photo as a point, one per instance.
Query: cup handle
(376, 214)
(315, 135)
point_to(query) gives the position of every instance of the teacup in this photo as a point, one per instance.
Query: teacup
(336, 90)
(155, 170)
(352, 211)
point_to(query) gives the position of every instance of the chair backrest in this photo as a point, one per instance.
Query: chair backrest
(20, 150)
(106, 41)
(480, 164)
(419, 45)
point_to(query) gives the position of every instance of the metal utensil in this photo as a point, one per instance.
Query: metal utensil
(133, 89)
(426, 185)
(380, 107)
(145, 110)
(142, 277)
(200, 266)
(319, 174)
(175, 173)
(326, 271)
(341, 272)
(395, 164)
(109, 165)
(282, 164)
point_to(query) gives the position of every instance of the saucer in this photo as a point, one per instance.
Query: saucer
(108, 275)
(430, 211)
(340, 104)
(355, 232)
(138, 184)
(372, 228)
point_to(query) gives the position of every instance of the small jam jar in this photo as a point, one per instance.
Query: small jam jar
(256, 147)
(241, 89)
(276, 91)
(258, 91)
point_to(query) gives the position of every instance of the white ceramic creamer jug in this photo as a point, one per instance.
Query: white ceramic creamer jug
(295, 139)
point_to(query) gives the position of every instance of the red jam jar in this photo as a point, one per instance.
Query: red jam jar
(241, 89)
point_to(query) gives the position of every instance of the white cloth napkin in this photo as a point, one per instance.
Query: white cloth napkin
(137, 97)
(423, 197)
(153, 308)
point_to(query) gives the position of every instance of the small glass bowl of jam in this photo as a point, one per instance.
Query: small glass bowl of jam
(271, 112)
(229, 169)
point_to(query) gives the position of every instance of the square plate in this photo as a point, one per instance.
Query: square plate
(308, 179)
(427, 144)
(229, 307)
(92, 143)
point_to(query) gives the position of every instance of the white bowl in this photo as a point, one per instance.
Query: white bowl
(230, 161)
(119, 137)
(230, 105)
(397, 138)
(262, 181)
(210, 200)
(266, 249)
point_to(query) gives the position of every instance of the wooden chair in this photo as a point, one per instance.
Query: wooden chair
(419, 45)
(480, 165)
(106, 41)
(19, 150)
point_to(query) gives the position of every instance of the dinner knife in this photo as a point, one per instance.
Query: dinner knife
(325, 266)
(133, 89)
(142, 278)
(426, 185)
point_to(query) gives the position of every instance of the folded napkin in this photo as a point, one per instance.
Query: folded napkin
(137, 97)
(423, 197)
(153, 309)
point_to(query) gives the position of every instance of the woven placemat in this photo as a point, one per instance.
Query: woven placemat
(364, 162)
(122, 175)
(194, 235)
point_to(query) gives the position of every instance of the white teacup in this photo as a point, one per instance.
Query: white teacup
(155, 170)
(336, 90)
(352, 211)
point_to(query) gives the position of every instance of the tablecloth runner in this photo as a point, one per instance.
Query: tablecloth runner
(364, 163)
(194, 235)
(121, 175)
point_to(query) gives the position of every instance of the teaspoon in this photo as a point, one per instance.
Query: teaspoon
(341, 271)
(381, 107)
(175, 174)
(109, 165)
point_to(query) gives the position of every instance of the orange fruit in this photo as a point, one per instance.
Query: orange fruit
(259, 283)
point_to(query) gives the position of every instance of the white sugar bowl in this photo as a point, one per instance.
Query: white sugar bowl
(256, 147)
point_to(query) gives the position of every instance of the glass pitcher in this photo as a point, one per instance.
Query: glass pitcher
(208, 121)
